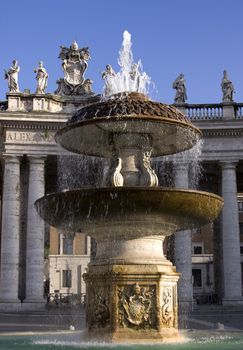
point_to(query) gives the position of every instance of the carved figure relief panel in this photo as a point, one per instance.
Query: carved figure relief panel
(137, 306)
(169, 307)
(98, 307)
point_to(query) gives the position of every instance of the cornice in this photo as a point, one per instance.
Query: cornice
(24, 125)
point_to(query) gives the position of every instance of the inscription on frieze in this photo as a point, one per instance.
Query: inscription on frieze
(29, 137)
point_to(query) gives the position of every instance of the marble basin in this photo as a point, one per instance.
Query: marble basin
(129, 212)
(161, 128)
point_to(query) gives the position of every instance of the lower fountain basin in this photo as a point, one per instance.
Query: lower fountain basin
(207, 340)
(129, 212)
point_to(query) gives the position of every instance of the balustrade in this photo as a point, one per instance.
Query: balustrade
(204, 111)
(239, 110)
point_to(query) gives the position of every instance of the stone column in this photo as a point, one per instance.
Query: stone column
(10, 234)
(230, 236)
(182, 250)
(88, 245)
(35, 236)
(61, 235)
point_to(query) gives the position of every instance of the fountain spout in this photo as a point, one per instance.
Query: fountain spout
(130, 77)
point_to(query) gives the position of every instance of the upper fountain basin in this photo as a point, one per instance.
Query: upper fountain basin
(129, 212)
(93, 129)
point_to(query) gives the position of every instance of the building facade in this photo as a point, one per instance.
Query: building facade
(209, 258)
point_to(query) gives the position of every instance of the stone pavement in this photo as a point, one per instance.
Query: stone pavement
(216, 317)
(46, 321)
(204, 317)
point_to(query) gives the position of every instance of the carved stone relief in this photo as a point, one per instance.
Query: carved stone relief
(75, 63)
(98, 308)
(167, 311)
(136, 306)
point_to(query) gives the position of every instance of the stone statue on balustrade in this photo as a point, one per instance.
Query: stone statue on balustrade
(180, 86)
(227, 88)
(12, 76)
(75, 63)
(135, 76)
(108, 76)
(41, 78)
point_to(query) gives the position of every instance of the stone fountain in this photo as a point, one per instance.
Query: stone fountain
(131, 286)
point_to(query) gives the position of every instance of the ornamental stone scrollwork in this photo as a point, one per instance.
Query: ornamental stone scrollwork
(99, 312)
(136, 306)
(116, 166)
(148, 175)
(167, 307)
(75, 63)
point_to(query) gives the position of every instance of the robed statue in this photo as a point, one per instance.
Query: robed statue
(109, 77)
(12, 76)
(227, 88)
(41, 77)
(180, 86)
(75, 63)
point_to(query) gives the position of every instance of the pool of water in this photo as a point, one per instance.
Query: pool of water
(207, 341)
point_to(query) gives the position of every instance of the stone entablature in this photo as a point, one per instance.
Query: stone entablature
(27, 102)
(30, 122)
(30, 137)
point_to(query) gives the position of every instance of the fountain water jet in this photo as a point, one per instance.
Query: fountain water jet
(130, 78)
(131, 286)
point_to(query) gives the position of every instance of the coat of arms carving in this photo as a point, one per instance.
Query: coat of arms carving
(136, 306)
(75, 63)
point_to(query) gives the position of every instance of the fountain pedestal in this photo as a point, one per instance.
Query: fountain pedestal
(132, 302)
(131, 286)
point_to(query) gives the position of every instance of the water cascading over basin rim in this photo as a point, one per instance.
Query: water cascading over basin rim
(89, 208)
(92, 129)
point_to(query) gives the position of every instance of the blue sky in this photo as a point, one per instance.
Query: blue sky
(199, 38)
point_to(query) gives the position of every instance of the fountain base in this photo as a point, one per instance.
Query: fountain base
(131, 303)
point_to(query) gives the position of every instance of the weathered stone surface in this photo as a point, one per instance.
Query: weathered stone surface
(131, 302)
(10, 233)
(129, 104)
(230, 236)
(35, 233)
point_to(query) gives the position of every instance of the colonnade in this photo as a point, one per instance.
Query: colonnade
(10, 237)
(230, 241)
(9, 278)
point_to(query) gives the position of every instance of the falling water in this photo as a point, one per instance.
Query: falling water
(165, 167)
(78, 171)
(131, 77)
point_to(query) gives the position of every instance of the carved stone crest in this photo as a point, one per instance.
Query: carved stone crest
(75, 63)
(135, 306)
